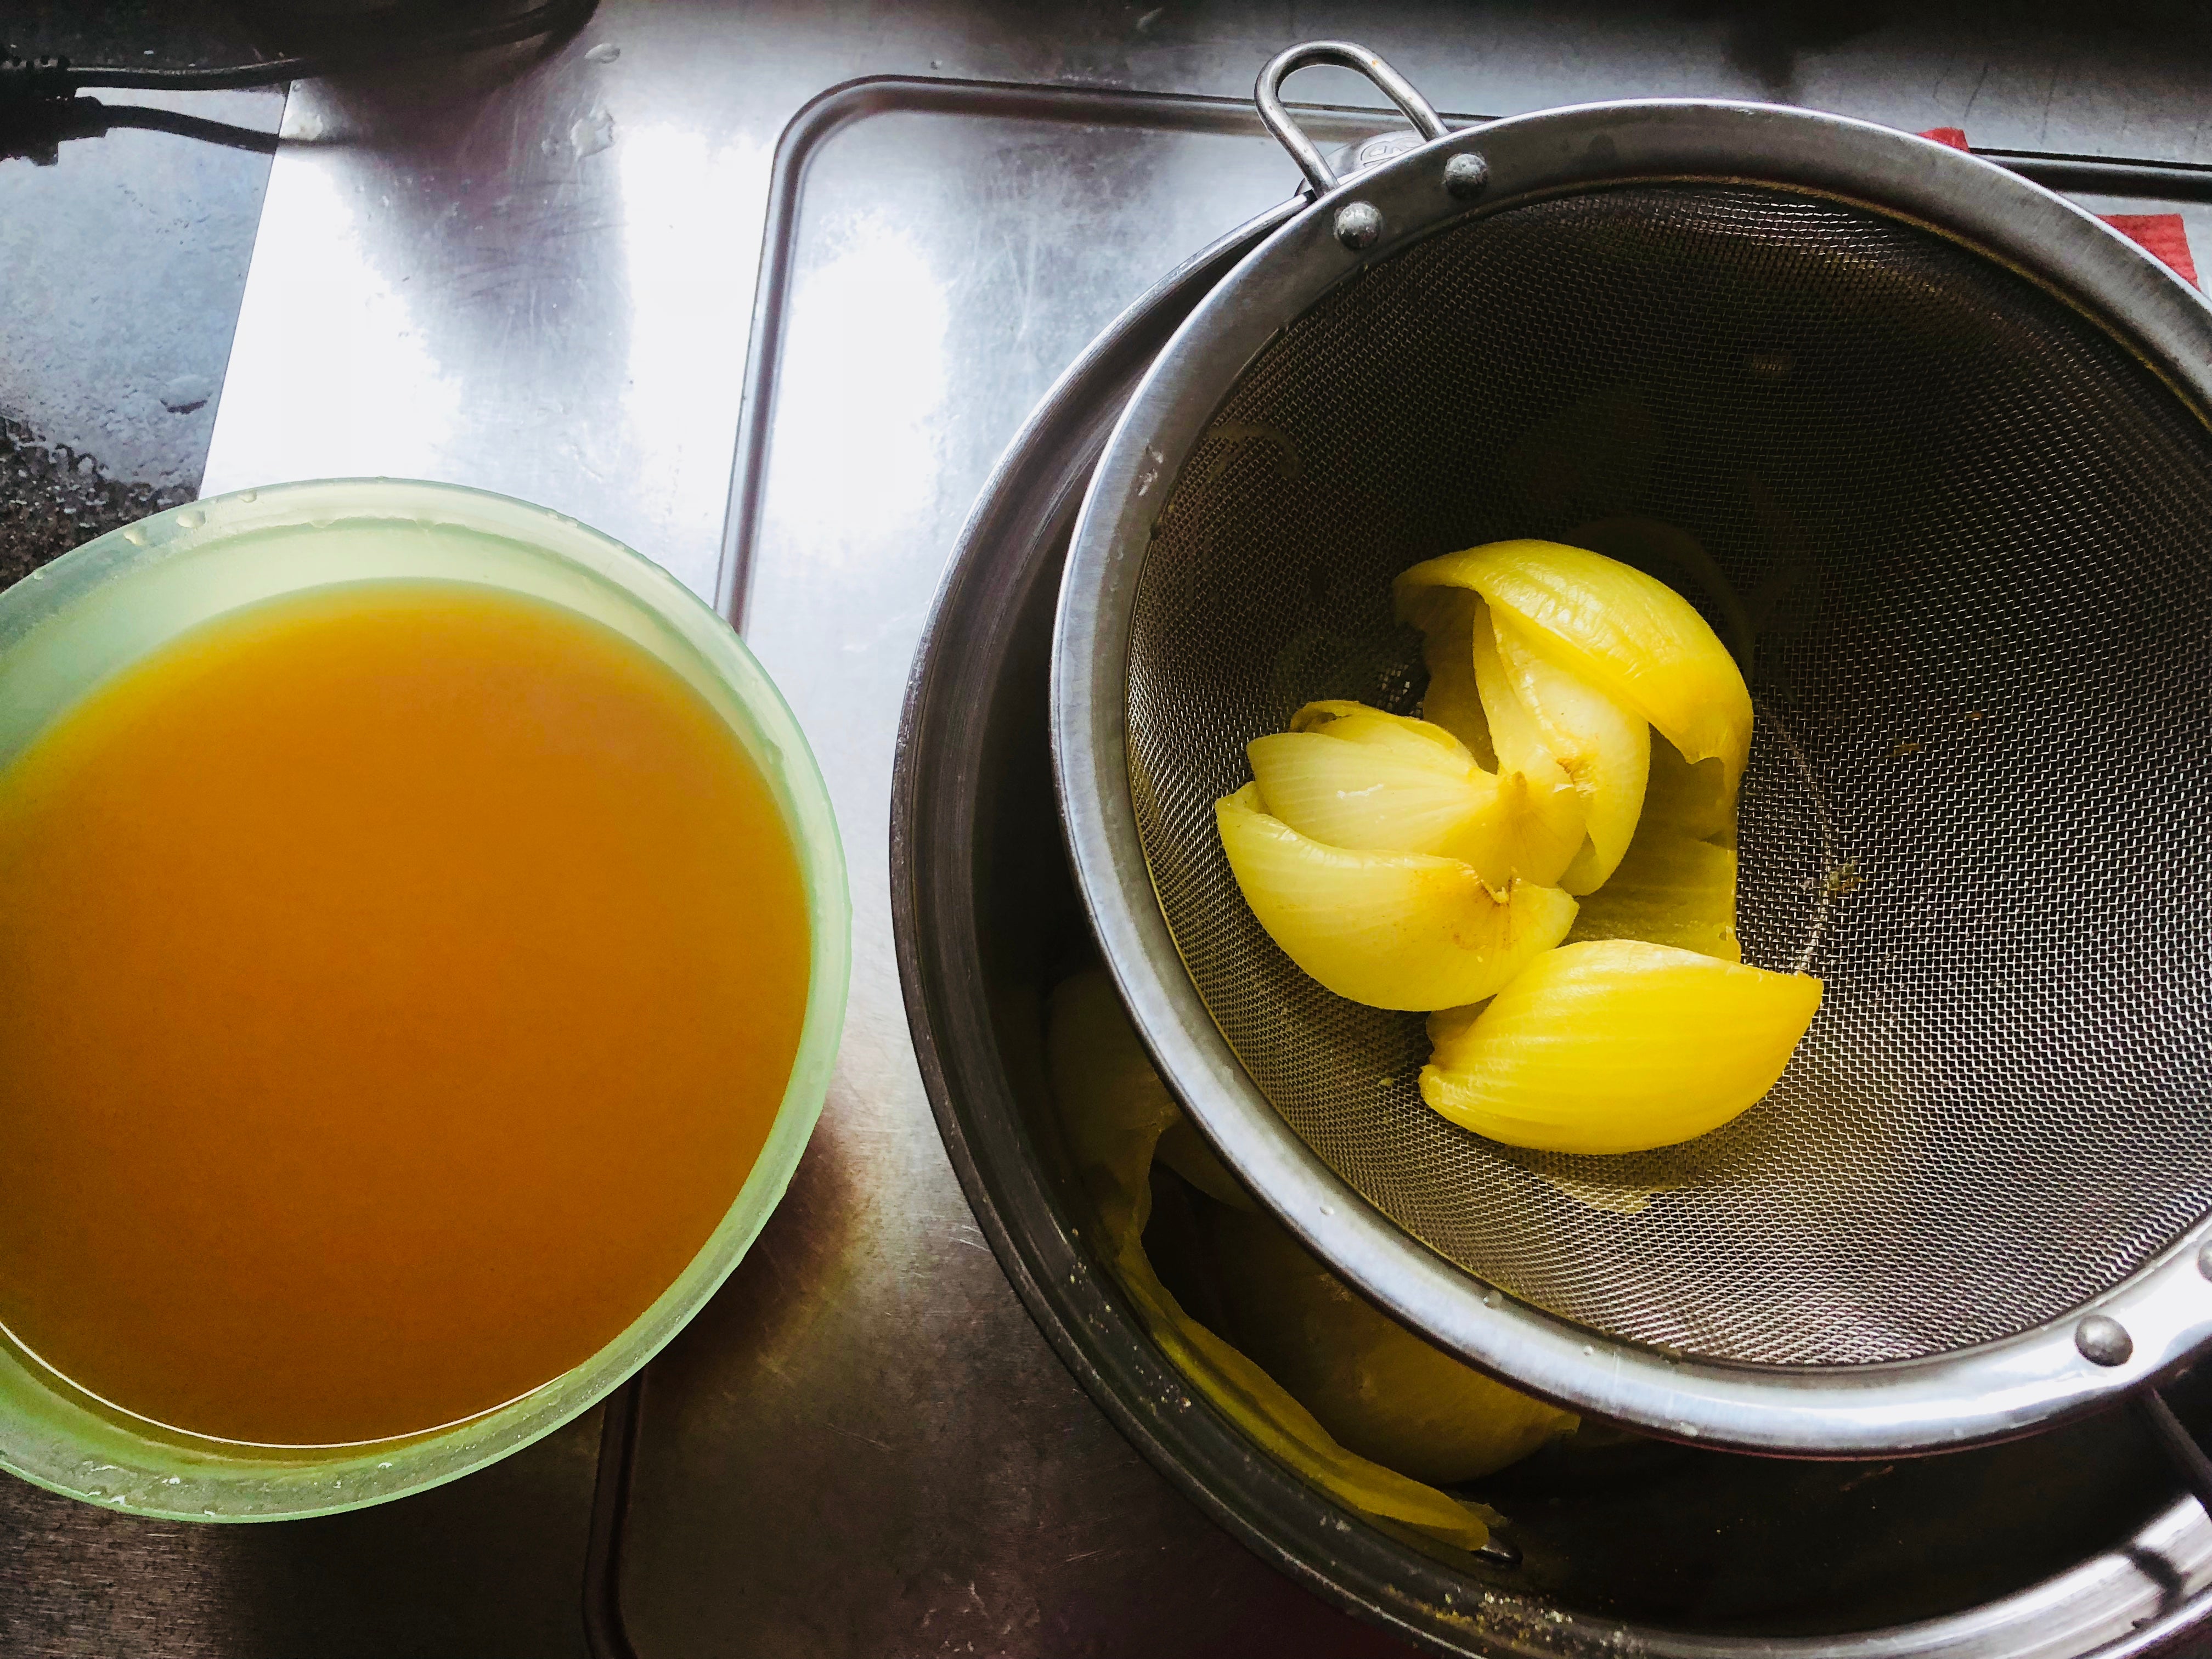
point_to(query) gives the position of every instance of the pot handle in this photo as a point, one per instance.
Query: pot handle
(1269, 95)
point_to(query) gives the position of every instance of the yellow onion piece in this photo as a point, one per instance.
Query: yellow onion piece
(1540, 813)
(1392, 930)
(1619, 1046)
(1367, 798)
(1551, 819)
(1605, 748)
(1514, 732)
(1401, 735)
(1446, 1026)
(1670, 890)
(1682, 800)
(1628, 634)
(1380, 1390)
(1354, 777)
(1446, 617)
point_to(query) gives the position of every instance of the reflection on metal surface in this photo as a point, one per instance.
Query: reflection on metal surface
(946, 251)
(575, 247)
(401, 405)
(664, 447)
(124, 254)
(864, 359)
(526, 286)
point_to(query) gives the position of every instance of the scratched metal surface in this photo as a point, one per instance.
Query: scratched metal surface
(874, 1366)
(124, 257)
(542, 282)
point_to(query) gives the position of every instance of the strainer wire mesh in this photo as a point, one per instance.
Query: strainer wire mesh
(1967, 539)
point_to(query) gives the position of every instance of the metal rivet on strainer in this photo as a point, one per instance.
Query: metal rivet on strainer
(1358, 225)
(2103, 1341)
(1466, 176)
(2204, 1260)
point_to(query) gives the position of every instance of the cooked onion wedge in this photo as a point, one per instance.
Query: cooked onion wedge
(1553, 821)
(1618, 1046)
(1603, 748)
(1446, 617)
(1354, 777)
(1682, 800)
(1513, 731)
(1449, 1026)
(1399, 734)
(1677, 885)
(1626, 634)
(1471, 694)
(1392, 930)
(1367, 798)
(1670, 890)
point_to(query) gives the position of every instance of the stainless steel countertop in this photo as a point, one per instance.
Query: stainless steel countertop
(538, 277)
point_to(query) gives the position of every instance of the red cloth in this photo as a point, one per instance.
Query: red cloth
(2163, 235)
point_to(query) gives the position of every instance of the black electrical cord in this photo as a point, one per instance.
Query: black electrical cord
(34, 134)
(43, 80)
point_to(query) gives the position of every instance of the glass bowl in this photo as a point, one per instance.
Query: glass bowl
(68, 627)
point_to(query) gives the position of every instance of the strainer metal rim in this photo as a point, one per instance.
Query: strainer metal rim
(1964, 1397)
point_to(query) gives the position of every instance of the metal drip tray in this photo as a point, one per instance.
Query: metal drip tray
(537, 281)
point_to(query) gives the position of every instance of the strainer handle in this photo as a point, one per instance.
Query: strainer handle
(1268, 92)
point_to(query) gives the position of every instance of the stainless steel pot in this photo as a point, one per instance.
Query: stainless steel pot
(2068, 1543)
(2071, 1543)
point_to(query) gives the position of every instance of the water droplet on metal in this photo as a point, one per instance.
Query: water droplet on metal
(249, 495)
(593, 134)
(604, 52)
(186, 394)
(191, 519)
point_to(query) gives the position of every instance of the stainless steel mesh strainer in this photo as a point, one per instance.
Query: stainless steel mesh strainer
(1925, 444)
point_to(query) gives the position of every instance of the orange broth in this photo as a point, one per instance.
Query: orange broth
(397, 984)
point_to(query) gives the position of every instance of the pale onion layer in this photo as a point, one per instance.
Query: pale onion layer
(1670, 890)
(1626, 634)
(1619, 1046)
(1354, 777)
(1392, 930)
(1604, 748)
